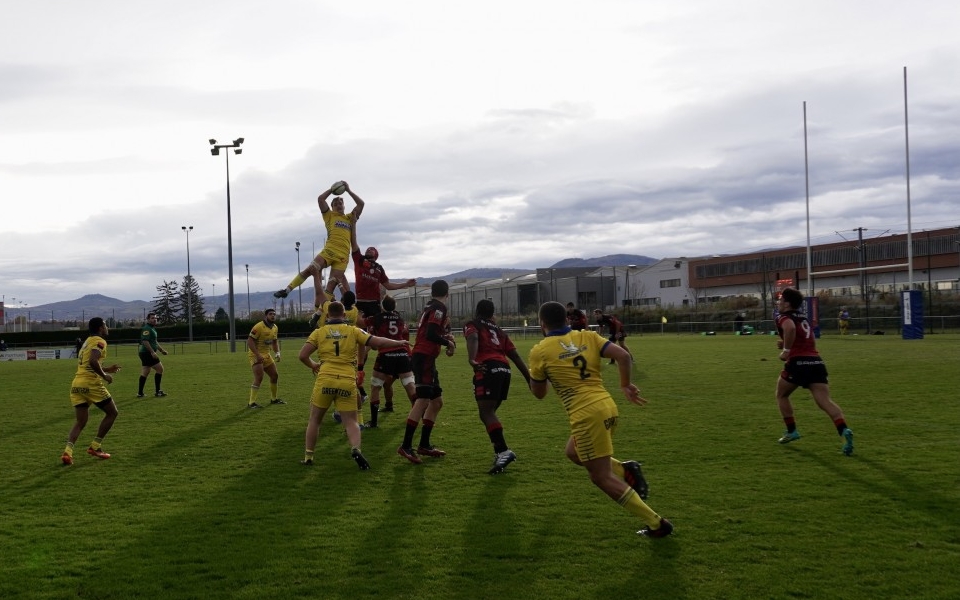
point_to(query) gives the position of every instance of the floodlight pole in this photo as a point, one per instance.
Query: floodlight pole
(215, 150)
(248, 290)
(187, 230)
(299, 291)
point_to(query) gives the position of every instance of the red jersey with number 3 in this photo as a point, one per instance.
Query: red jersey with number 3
(804, 344)
(434, 315)
(493, 343)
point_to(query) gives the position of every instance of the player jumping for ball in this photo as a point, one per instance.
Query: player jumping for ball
(335, 252)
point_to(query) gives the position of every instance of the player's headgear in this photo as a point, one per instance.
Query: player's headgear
(371, 253)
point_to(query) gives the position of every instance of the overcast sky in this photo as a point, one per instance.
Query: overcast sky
(494, 134)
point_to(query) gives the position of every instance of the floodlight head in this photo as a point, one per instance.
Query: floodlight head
(298, 245)
(212, 141)
(238, 141)
(215, 151)
(238, 151)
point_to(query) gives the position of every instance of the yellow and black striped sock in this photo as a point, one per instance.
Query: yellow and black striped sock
(97, 443)
(631, 501)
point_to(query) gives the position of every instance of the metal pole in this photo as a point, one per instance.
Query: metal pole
(906, 133)
(299, 290)
(233, 325)
(248, 290)
(958, 258)
(863, 276)
(189, 287)
(929, 284)
(806, 169)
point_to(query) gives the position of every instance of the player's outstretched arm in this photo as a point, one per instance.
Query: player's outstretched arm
(382, 342)
(355, 246)
(322, 201)
(399, 286)
(514, 356)
(360, 203)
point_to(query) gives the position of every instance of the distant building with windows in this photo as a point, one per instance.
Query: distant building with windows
(936, 266)
(682, 281)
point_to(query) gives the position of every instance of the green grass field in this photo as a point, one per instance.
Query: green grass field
(206, 499)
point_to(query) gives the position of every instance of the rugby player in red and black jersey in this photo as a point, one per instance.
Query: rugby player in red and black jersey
(390, 364)
(488, 348)
(371, 281)
(803, 368)
(370, 277)
(576, 317)
(433, 333)
(616, 329)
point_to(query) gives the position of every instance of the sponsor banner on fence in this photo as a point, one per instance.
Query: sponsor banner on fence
(44, 354)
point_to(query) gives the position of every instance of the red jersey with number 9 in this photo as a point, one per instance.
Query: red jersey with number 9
(804, 344)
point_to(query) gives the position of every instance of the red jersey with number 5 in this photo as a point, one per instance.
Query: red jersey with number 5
(389, 325)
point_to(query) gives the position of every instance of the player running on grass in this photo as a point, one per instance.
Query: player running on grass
(88, 388)
(570, 361)
(488, 348)
(803, 368)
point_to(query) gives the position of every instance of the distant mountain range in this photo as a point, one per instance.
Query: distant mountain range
(92, 305)
(611, 260)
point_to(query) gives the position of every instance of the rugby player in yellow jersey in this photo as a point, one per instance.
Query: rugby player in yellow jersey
(88, 388)
(263, 339)
(336, 344)
(571, 362)
(335, 252)
(351, 316)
